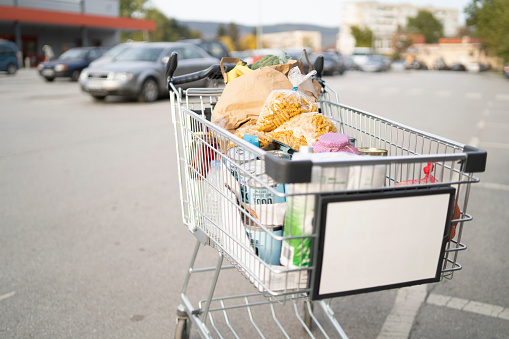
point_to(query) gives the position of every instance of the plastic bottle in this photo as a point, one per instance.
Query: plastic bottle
(213, 196)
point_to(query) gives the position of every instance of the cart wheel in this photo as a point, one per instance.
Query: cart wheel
(183, 328)
(307, 314)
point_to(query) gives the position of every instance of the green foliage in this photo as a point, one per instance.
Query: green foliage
(167, 29)
(231, 33)
(132, 8)
(426, 24)
(270, 60)
(363, 36)
(490, 19)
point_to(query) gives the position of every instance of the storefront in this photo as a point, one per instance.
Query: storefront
(32, 28)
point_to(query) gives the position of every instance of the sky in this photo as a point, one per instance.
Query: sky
(267, 12)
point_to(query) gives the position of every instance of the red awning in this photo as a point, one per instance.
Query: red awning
(29, 15)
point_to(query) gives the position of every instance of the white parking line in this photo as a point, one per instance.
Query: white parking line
(502, 97)
(473, 95)
(443, 94)
(8, 295)
(398, 323)
(466, 305)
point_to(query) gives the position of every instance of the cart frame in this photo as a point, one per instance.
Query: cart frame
(410, 151)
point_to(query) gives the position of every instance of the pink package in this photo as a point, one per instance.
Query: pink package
(334, 142)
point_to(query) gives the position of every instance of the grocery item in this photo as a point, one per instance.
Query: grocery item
(270, 60)
(249, 128)
(303, 130)
(334, 142)
(282, 105)
(373, 151)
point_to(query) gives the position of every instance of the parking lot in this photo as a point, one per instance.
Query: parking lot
(92, 243)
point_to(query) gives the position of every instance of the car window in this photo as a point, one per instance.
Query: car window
(93, 55)
(140, 54)
(74, 54)
(213, 49)
(189, 53)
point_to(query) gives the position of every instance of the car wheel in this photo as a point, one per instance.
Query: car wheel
(75, 75)
(149, 91)
(49, 79)
(11, 69)
(99, 97)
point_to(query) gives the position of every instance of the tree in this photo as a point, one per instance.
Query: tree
(426, 24)
(363, 36)
(221, 31)
(490, 20)
(132, 8)
(167, 29)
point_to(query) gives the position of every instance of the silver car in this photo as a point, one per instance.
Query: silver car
(139, 71)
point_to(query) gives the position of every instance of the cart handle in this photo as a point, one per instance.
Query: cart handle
(476, 159)
(213, 72)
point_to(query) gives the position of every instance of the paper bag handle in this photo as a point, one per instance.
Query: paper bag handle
(230, 60)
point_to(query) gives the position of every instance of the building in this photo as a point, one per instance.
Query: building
(64, 24)
(450, 51)
(383, 20)
(293, 39)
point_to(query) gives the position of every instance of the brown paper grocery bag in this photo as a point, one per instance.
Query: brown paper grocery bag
(243, 97)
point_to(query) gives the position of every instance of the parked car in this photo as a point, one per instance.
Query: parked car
(476, 67)
(70, 63)
(458, 67)
(376, 63)
(113, 52)
(333, 63)
(139, 71)
(506, 70)
(216, 48)
(417, 64)
(9, 54)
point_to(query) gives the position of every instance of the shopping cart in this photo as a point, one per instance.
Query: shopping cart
(306, 230)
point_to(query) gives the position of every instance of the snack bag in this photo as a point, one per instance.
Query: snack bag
(302, 130)
(282, 105)
(249, 128)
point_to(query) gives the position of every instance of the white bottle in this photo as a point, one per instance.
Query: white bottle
(213, 197)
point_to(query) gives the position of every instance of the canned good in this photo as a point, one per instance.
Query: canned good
(255, 191)
(281, 154)
(266, 246)
(372, 151)
(237, 156)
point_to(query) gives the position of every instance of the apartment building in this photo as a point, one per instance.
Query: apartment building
(383, 20)
(293, 39)
(64, 24)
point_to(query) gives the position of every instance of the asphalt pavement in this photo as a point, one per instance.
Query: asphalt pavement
(92, 244)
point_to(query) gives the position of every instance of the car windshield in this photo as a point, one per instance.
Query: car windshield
(74, 54)
(140, 54)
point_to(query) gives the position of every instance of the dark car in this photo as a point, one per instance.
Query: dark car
(8, 57)
(215, 48)
(70, 63)
(376, 63)
(458, 67)
(333, 63)
(139, 71)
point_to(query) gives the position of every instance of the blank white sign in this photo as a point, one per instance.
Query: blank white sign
(379, 242)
